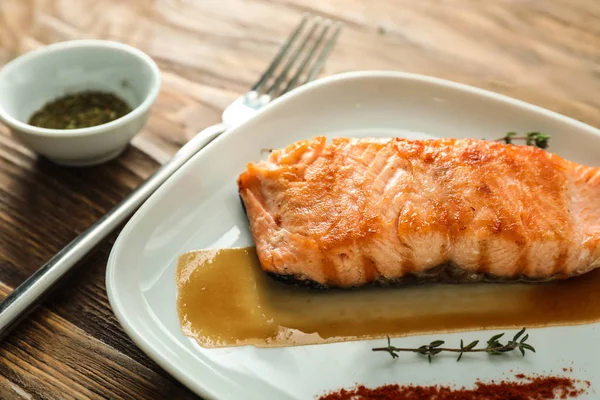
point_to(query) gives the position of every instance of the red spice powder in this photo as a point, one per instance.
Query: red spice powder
(528, 388)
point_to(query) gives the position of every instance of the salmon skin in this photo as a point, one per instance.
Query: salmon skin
(358, 211)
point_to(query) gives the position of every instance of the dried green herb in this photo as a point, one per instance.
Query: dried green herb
(80, 110)
(494, 347)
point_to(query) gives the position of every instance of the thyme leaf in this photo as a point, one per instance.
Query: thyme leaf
(493, 347)
(537, 139)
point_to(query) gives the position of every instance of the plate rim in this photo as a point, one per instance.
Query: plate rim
(119, 309)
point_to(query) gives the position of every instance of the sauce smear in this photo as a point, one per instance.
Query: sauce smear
(225, 299)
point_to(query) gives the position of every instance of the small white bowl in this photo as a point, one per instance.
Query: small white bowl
(32, 80)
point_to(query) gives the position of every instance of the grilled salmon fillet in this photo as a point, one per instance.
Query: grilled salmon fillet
(356, 211)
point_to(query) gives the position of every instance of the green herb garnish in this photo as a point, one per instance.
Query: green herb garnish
(493, 347)
(537, 139)
(80, 110)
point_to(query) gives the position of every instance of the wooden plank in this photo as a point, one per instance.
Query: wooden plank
(51, 356)
(36, 225)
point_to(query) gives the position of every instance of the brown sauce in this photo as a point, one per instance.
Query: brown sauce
(225, 299)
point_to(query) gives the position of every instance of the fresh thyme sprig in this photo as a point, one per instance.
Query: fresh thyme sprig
(537, 139)
(494, 347)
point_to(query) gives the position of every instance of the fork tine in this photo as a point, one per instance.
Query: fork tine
(308, 58)
(324, 54)
(283, 74)
(281, 54)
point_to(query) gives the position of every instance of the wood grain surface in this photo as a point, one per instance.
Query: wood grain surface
(543, 52)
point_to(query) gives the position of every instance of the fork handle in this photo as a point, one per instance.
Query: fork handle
(26, 296)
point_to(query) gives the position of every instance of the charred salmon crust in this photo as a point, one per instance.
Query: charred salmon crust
(353, 212)
(446, 273)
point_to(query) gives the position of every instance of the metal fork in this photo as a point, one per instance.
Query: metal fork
(264, 91)
(305, 49)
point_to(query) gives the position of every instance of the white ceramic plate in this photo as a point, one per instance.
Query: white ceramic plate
(199, 208)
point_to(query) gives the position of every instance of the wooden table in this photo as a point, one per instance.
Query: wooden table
(546, 53)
